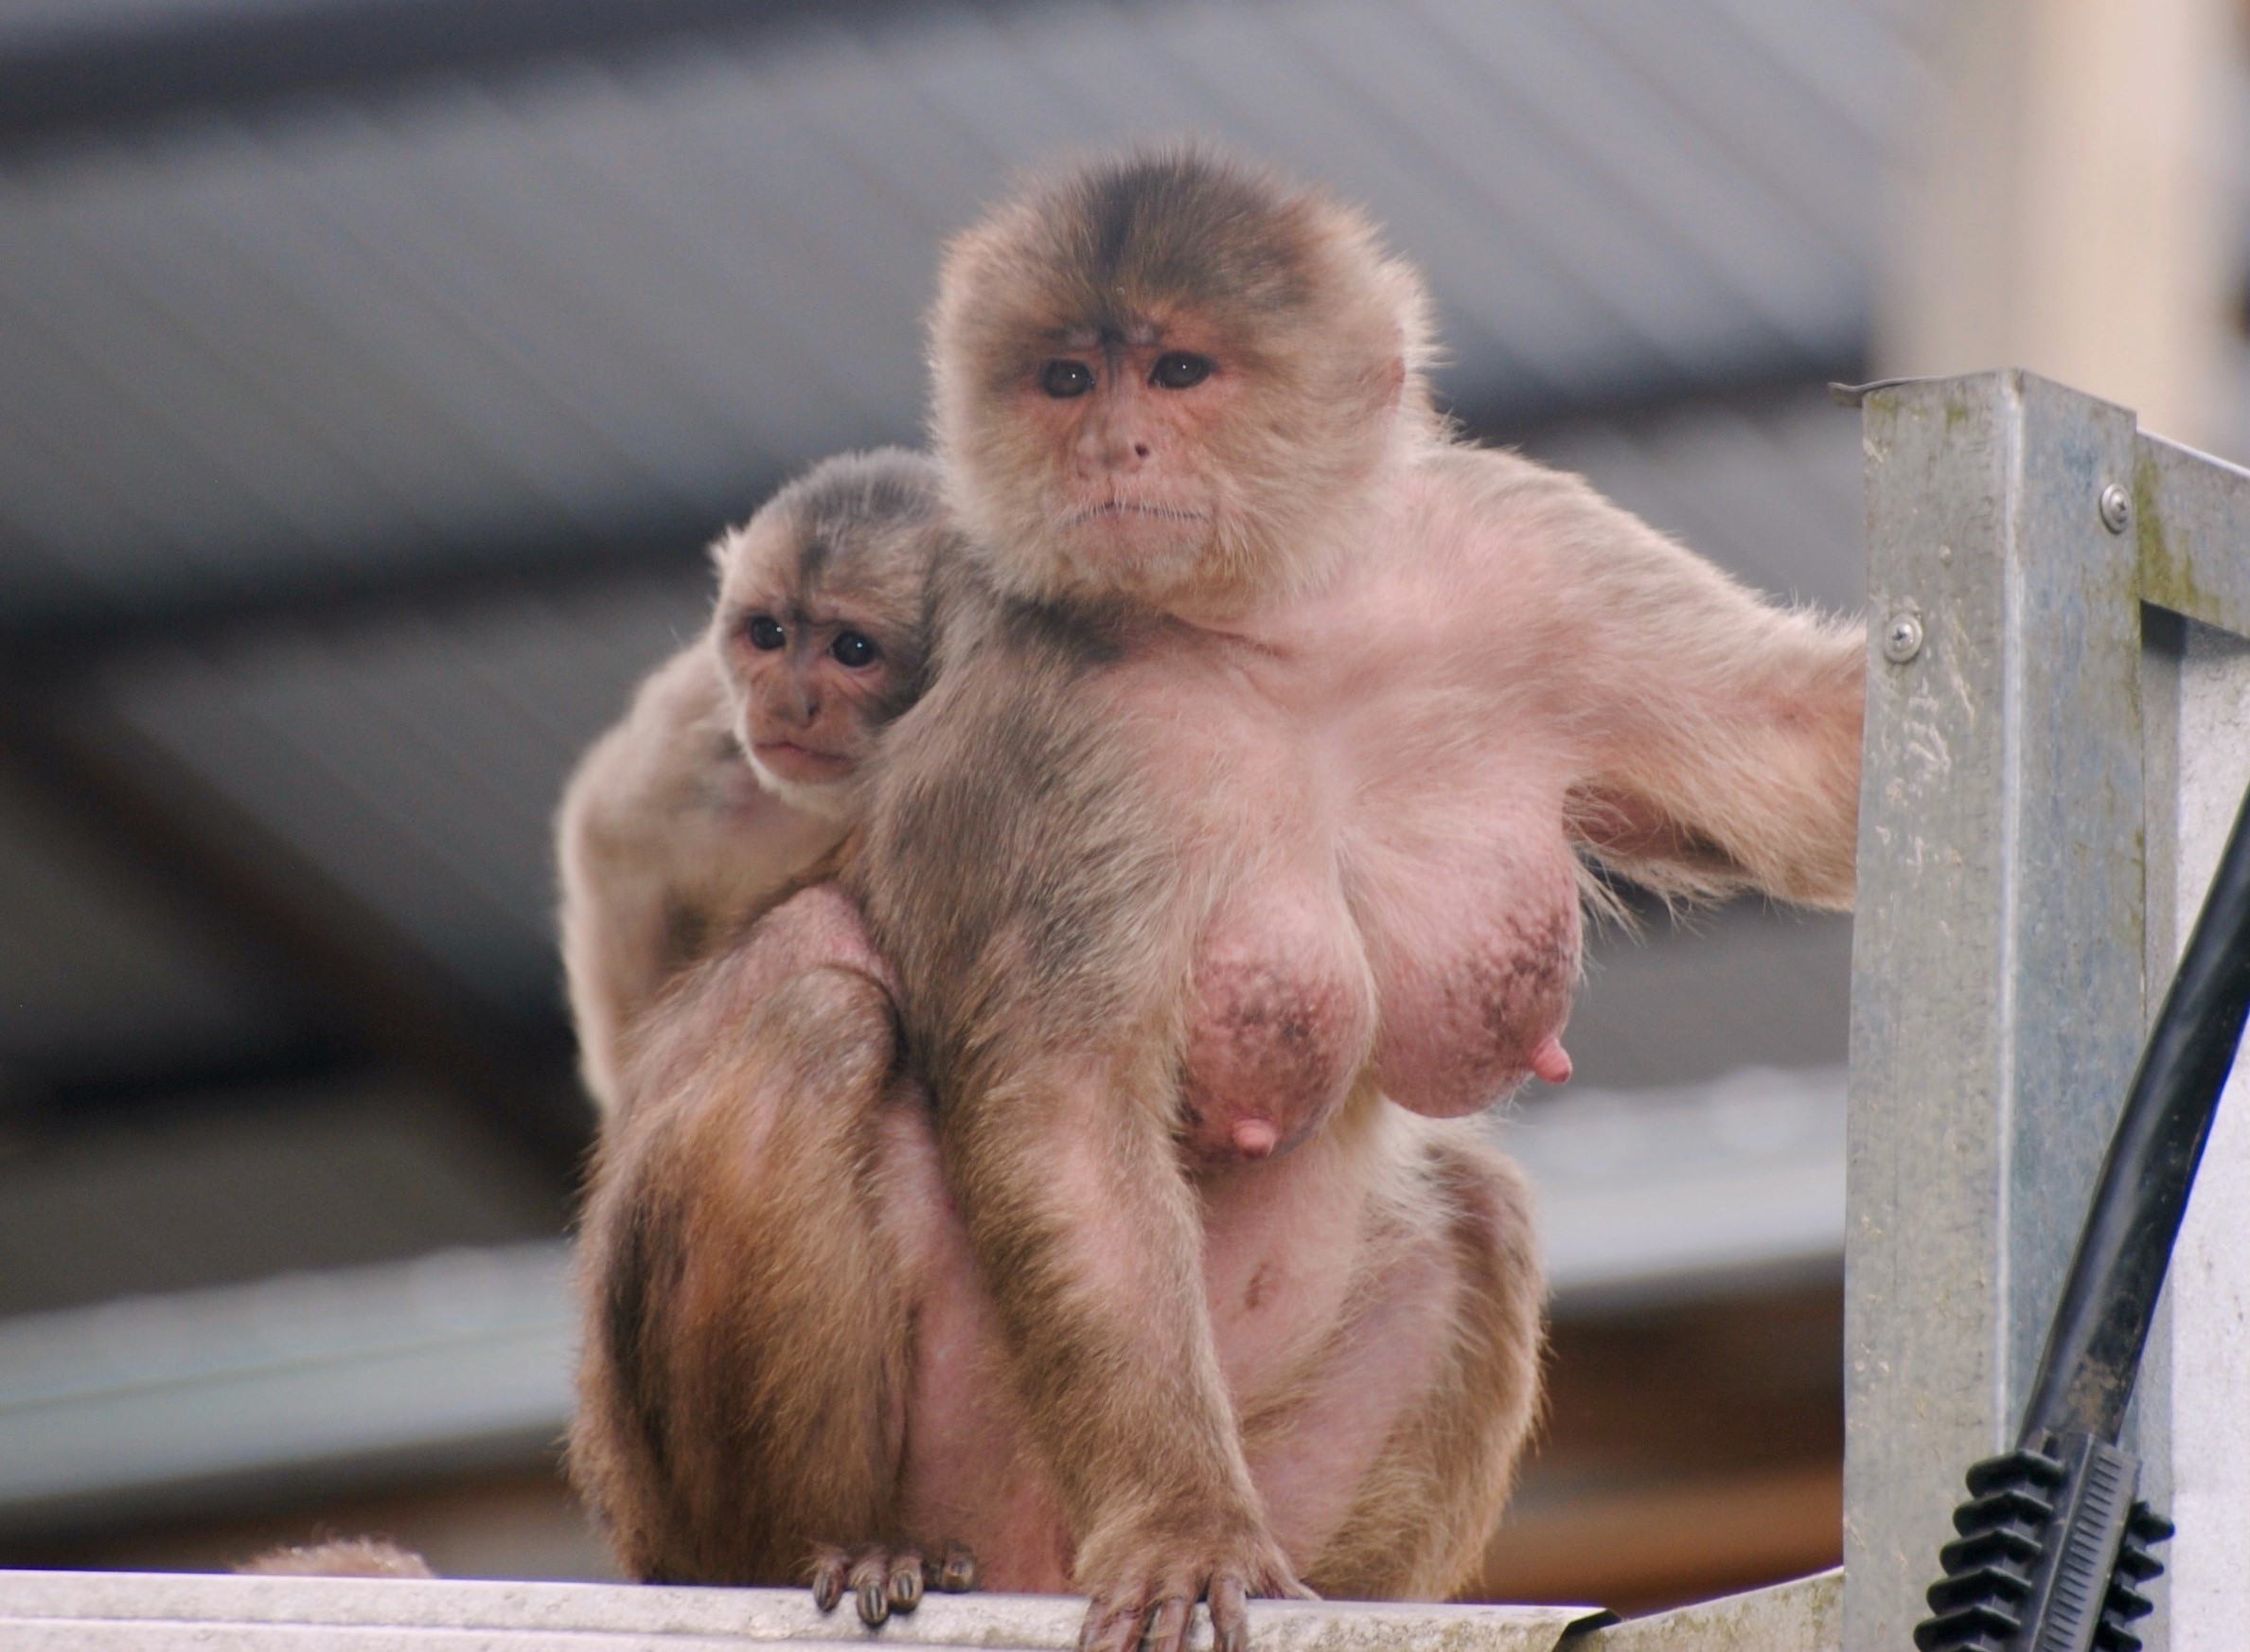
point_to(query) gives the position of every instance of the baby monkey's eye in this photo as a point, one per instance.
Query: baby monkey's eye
(851, 649)
(764, 632)
(1064, 379)
(1177, 369)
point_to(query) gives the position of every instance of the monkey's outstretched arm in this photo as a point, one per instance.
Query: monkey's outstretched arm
(1718, 734)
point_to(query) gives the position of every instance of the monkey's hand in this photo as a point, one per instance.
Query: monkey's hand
(886, 1580)
(1141, 1588)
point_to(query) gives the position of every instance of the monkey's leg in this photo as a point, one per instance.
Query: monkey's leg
(1443, 1360)
(742, 1387)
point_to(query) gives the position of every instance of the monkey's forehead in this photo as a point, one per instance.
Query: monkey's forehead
(1136, 331)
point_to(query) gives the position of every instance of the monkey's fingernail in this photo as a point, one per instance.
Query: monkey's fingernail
(960, 1574)
(874, 1605)
(906, 1589)
(827, 1588)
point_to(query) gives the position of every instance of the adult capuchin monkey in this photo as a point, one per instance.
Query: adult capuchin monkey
(737, 767)
(1265, 737)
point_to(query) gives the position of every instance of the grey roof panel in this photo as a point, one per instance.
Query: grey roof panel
(97, 965)
(416, 323)
(418, 762)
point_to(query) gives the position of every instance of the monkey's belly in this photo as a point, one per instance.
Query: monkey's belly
(1323, 1354)
(1279, 1028)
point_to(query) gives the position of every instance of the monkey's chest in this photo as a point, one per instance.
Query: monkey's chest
(1439, 973)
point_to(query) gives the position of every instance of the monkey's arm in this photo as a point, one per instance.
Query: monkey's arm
(666, 847)
(1031, 905)
(1718, 733)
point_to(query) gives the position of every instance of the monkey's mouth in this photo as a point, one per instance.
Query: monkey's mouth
(1126, 509)
(792, 761)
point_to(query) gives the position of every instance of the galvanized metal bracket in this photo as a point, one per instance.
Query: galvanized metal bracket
(2019, 534)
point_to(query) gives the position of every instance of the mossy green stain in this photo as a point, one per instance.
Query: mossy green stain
(2167, 567)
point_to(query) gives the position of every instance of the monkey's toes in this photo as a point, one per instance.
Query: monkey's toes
(885, 1578)
(954, 1574)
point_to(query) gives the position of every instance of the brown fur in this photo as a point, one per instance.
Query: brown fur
(736, 1409)
(669, 841)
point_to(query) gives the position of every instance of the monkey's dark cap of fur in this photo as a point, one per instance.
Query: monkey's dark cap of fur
(1133, 231)
(1123, 240)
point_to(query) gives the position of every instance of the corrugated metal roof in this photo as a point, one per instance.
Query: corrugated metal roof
(417, 762)
(430, 323)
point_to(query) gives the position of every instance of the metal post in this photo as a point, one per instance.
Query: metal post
(2018, 879)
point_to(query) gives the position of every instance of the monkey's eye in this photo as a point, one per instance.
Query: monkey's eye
(765, 632)
(1177, 369)
(853, 649)
(1063, 378)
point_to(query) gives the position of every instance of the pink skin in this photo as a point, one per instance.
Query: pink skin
(1375, 779)
(1281, 1244)
(801, 763)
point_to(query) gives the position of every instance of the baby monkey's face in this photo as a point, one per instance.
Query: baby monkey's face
(815, 667)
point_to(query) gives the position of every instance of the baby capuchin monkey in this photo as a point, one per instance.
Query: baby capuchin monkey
(738, 766)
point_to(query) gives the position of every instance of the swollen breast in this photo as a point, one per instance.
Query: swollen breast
(1282, 1024)
(1470, 992)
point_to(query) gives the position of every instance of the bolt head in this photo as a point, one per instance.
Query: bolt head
(1902, 638)
(2116, 509)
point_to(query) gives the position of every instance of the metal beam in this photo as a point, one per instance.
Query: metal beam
(1998, 1001)
(408, 580)
(354, 970)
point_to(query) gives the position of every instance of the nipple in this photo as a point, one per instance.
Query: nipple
(1255, 1138)
(1550, 1061)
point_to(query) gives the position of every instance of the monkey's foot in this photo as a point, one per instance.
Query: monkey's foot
(1146, 1602)
(885, 1579)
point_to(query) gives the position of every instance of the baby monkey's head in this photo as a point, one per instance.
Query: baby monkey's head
(822, 624)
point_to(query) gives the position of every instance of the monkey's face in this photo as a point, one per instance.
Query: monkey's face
(1130, 494)
(1167, 380)
(813, 674)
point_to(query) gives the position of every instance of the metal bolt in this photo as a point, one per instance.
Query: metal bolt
(1902, 638)
(2116, 509)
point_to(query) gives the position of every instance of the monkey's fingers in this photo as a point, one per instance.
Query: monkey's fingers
(1229, 1615)
(955, 1573)
(1167, 1625)
(870, 1580)
(882, 1580)
(1112, 1624)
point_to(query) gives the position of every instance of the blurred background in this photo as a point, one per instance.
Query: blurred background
(372, 373)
